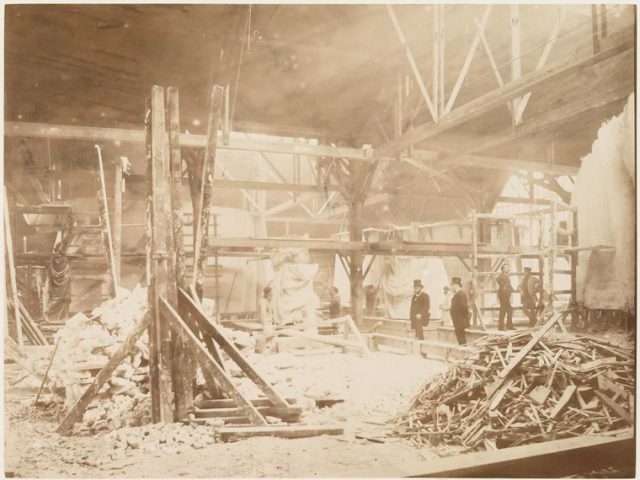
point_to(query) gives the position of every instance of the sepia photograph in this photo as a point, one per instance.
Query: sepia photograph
(372, 240)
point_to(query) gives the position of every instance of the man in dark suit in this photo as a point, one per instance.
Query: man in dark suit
(505, 289)
(529, 293)
(419, 312)
(459, 310)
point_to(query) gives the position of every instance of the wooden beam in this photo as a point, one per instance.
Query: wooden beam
(232, 352)
(162, 276)
(207, 362)
(182, 361)
(117, 218)
(78, 409)
(556, 458)
(12, 271)
(553, 36)
(546, 122)
(125, 135)
(206, 189)
(412, 63)
(497, 97)
(516, 56)
(467, 61)
(230, 434)
(106, 227)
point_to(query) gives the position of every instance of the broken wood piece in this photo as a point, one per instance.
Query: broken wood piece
(207, 362)
(540, 394)
(621, 412)
(563, 400)
(287, 431)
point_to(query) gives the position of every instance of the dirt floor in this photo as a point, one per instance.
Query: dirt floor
(374, 390)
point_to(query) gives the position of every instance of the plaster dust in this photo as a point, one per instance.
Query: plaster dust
(605, 198)
(374, 389)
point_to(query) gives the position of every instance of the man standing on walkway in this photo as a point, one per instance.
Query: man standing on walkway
(419, 311)
(459, 310)
(529, 289)
(505, 289)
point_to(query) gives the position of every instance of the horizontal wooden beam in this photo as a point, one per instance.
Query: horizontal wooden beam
(127, 135)
(557, 458)
(261, 245)
(499, 97)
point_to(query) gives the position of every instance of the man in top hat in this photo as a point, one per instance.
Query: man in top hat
(459, 310)
(419, 311)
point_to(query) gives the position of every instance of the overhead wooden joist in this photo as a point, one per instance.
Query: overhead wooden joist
(499, 97)
(129, 135)
(229, 246)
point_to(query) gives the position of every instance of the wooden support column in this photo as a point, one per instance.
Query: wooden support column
(355, 264)
(12, 270)
(117, 219)
(162, 263)
(594, 29)
(474, 265)
(516, 60)
(107, 237)
(183, 367)
(205, 182)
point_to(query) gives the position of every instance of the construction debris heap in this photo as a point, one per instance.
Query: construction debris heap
(563, 387)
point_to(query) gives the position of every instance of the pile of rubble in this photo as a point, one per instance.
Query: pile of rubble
(85, 346)
(563, 387)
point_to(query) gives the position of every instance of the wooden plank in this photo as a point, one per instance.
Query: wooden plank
(230, 403)
(117, 218)
(412, 63)
(154, 377)
(356, 332)
(78, 409)
(551, 459)
(183, 365)
(29, 322)
(104, 214)
(563, 400)
(206, 187)
(163, 275)
(232, 352)
(235, 412)
(210, 380)
(230, 434)
(125, 135)
(621, 412)
(326, 339)
(208, 363)
(14, 352)
(12, 271)
(498, 97)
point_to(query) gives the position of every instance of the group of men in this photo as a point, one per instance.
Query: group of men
(457, 306)
(531, 294)
(459, 310)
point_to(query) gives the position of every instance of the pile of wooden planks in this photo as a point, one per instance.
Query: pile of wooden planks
(520, 389)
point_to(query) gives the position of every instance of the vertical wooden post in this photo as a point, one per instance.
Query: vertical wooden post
(603, 20)
(183, 364)
(201, 240)
(553, 239)
(474, 264)
(441, 30)
(435, 64)
(595, 35)
(12, 270)
(162, 265)
(106, 224)
(516, 61)
(117, 219)
(355, 269)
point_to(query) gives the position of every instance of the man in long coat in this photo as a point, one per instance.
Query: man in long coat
(505, 289)
(419, 311)
(459, 310)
